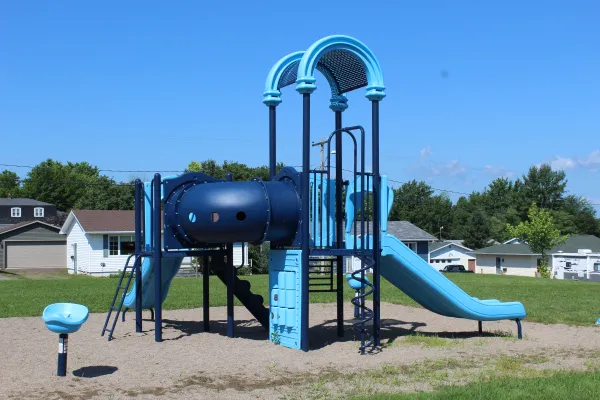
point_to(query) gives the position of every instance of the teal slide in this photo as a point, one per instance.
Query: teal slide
(170, 266)
(430, 288)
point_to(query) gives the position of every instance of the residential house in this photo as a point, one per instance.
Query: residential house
(32, 245)
(411, 235)
(451, 252)
(515, 258)
(14, 211)
(99, 242)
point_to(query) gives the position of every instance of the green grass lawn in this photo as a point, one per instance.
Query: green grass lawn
(559, 386)
(547, 301)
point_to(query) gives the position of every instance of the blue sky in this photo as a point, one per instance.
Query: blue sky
(475, 90)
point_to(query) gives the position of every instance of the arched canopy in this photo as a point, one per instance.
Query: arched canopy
(285, 72)
(351, 64)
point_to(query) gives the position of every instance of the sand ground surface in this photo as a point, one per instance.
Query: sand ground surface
(420, 351)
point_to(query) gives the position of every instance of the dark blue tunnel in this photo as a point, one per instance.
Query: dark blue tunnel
(199, 214)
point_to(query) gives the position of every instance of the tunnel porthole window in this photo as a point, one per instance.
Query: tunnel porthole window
(192, 217)
(214, 217)
(240, 216)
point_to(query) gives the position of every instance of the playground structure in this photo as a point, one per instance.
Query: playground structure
(302, 214)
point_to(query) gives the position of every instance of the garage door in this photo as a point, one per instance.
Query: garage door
(36, 255)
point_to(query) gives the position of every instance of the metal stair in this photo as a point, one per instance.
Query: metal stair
(365, 314)
(252, 301)
(120, 298)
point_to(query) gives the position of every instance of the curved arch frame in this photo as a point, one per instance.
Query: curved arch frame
(306, 70)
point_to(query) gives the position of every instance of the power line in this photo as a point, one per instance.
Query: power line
(183, 171)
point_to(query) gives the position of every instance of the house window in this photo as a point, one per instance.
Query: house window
(121, 245)
(38, 212)
(597, 267)
(113, 246)
(412, 246)
(15, 212)
(126, 245)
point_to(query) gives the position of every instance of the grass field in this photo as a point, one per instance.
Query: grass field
(558, 386)
(547, 301)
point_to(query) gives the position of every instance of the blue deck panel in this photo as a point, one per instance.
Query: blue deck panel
(285, 297)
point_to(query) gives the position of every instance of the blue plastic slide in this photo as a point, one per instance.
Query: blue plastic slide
(170, 266)
(430, 288)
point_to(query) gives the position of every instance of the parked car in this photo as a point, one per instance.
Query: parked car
(456, 268)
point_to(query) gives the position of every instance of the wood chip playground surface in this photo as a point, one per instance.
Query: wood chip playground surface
(421, 352)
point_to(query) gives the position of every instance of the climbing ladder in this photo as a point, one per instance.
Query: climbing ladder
(120, 298)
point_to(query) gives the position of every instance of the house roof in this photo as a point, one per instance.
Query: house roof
(571, 245)
(102, 220)
(403, 230)
(576, 242)
(506, 249)
(438, 245)
(22, 202)
(26, 223)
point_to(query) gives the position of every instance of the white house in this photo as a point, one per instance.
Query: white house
(450, 253)
(577, 258)
(99, 242)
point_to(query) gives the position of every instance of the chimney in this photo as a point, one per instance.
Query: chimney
(9, 196)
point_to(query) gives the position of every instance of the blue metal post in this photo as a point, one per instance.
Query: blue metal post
(339, 220)
(304, 226)
(63, 340)
(205, 293)
(376, 224)
(156, 231)
(138, 260)
(272, 141)
(230, 273)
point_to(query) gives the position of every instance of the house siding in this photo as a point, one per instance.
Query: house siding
(28, 233)
(27, 213)
(520, 265)
(423, 250)
(77, 236)
(581, 265)
(456, 255)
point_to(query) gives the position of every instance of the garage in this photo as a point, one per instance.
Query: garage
(35, 255)
(32, 245)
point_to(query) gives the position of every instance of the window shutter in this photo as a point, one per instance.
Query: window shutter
(105, 245)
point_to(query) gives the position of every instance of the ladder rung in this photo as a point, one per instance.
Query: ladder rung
(121, 287)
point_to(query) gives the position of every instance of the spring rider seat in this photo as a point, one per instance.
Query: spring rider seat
(64, 318)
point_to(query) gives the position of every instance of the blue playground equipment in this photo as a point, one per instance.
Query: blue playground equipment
(302, 214)
(64, 318)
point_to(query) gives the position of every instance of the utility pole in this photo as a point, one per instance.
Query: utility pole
(322, 144)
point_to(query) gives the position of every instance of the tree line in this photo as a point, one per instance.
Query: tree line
(477, 218)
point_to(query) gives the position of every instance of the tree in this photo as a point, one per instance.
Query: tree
(544, 186)
(106, 194)
(539, 233)
(60, 184)
(478, 232)
(414, 202)
(9, 184)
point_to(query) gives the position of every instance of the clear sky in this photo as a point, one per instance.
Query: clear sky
(475, 90)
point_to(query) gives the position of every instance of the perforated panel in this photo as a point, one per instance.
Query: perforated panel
(289, 75)
(343, 68)
(346, 69)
